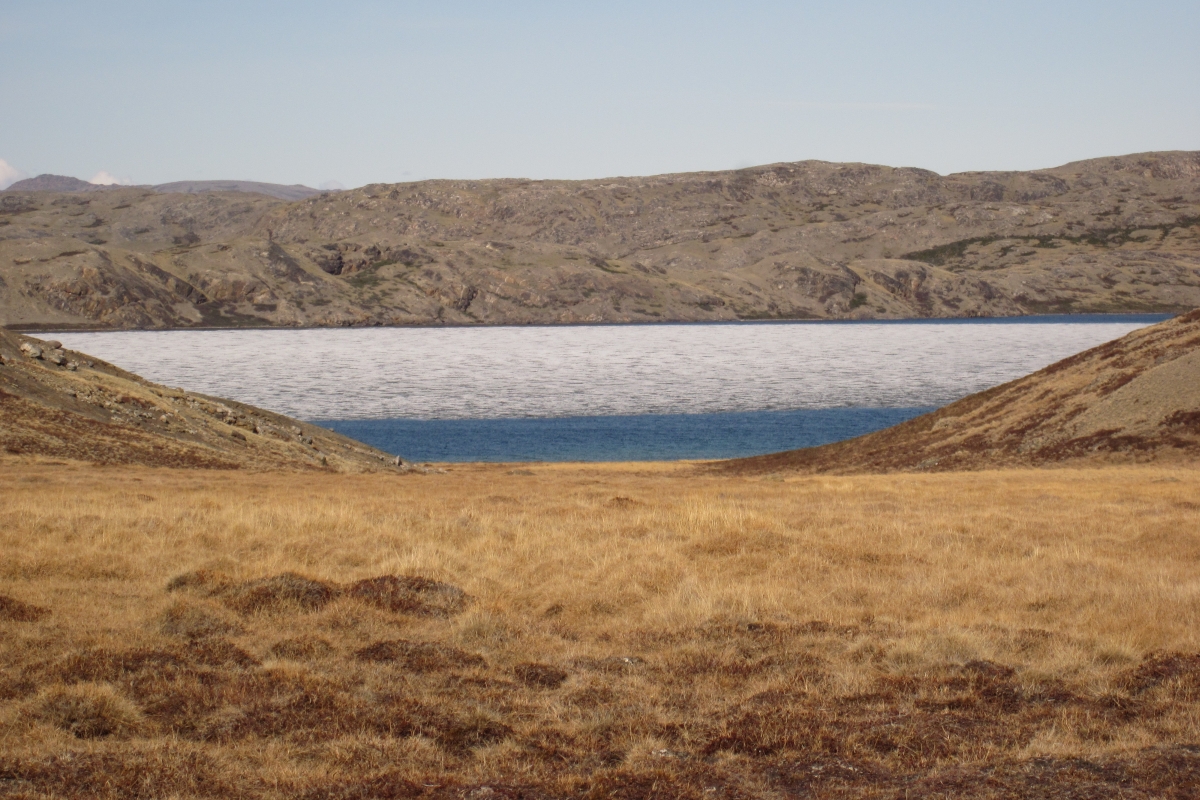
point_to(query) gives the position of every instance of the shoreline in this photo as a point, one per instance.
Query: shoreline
(1116, 316)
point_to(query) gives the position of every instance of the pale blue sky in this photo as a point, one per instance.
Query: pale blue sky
(360, 92)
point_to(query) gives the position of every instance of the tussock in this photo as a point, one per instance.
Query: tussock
(1180, 670)
(196, 621)
(286, 592)
(303, 648)
(410, 595)
(403, 594)
(89, 711)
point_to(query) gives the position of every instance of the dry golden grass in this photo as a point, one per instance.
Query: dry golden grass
(627, 631)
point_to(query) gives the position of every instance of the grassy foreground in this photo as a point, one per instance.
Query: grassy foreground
(626, 631)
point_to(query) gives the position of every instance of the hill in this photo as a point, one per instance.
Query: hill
(64, 183)
(60, 404)
(294, 191)
(53, 183)
(800, 240)
(1133, 399)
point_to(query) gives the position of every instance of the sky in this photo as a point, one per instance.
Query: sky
(356, 92)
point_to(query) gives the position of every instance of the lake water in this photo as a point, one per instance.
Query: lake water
(608, 391)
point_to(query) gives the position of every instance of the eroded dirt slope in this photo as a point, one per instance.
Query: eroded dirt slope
(798, 240)
(1135, 398)
(61, 404)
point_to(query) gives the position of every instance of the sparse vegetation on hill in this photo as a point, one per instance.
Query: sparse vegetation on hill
(802, 240)
(61, 404)
(594, 632)
(1136, 398)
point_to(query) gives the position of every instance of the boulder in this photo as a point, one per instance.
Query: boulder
(31, 350)
(56, 357)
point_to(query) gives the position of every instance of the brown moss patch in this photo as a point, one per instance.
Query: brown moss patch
(286, 592)
(140, 772)
(1160, 668)
(540, 676)
(410, 594)
(13, 610)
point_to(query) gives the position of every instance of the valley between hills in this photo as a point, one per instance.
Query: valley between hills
(806, 240)
(201, 599)
(291, 616)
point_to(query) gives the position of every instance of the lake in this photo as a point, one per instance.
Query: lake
(606, 392)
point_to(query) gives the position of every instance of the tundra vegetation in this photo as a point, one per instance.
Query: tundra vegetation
(646, 630)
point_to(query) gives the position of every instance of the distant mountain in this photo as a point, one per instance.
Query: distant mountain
(293, 192)
(65, 183)
(807, 240)
(53, 183)
(1133, 399)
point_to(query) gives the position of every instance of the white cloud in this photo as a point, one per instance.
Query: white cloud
(9, 174)
(332, 186)
(106, 178)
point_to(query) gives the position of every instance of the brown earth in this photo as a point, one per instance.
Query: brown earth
(1133, 399)
(60, 404)
(801, 240)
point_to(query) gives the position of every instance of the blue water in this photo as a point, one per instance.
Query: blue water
(604, 392)
(643, 437)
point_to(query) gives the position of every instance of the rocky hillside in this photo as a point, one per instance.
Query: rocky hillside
(60, 404)
(802, 240)
(1133, 399)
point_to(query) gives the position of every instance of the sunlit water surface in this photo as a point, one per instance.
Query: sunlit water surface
(656, 372)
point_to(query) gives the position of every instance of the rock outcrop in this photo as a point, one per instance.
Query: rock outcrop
(806, 240)
(1133, 399)
(59, 404)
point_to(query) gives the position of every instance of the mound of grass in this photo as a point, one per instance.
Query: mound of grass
(89, 711)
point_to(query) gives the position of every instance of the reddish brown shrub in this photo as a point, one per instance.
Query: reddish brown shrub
(410, 594)
(288, 591)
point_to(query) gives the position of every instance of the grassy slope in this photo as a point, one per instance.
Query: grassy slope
(1136, 398)
(83, 409)
(993, 634)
